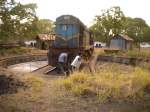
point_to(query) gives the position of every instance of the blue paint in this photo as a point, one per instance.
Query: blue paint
(117, 43)
(66, 32)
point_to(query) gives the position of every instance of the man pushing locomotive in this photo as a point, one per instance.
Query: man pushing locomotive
(64, 66)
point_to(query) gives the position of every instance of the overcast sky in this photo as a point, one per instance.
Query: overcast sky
(86, 10)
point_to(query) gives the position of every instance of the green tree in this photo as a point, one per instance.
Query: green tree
(16, 20)
(110, 22)
(45, 26)
(146, 35)
(135, 28)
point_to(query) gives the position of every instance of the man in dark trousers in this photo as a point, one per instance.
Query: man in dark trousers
(62, 63)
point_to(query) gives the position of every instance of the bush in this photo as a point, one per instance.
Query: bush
(34, 82)
(106, 85)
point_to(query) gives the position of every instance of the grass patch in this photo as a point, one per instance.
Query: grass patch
(107, 85)
(130, 53)
(36, 86)
(136, 53)
(17, 50)
(34, 82)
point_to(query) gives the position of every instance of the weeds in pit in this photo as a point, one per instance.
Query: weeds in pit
(35, 83)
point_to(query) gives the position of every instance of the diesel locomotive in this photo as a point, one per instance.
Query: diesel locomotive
(72, 37)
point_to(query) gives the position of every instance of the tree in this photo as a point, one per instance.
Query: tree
(136, 28)
(16, 20)
(110, 22)
(45, 26)
(146, 34)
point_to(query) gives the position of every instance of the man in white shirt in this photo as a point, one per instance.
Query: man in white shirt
(63, 58)
(62, 62)
(76, 63)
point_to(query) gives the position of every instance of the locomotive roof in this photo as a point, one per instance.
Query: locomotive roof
(69, 19)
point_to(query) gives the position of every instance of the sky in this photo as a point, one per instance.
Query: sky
(86, 10)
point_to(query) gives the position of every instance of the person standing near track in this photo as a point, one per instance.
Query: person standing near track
(76, 62)
(62, 62)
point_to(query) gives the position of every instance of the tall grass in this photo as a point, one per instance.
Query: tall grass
(130, 53)
(135, 53)
(35, 83)
(17, 50)
(107, 85)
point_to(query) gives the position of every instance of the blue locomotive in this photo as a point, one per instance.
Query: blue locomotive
(71, 36)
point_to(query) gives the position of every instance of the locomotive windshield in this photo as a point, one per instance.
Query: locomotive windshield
(65, 35)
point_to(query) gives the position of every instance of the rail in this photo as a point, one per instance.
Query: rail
(124, 60)
(4, 62)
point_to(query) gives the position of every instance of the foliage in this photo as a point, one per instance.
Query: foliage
(113, 21)
(107, 85)
(109, 22)
(45, 26)
(17, 20)
(17, 50)
(146, 34)
(137, 29)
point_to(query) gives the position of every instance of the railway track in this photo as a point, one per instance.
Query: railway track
(4, 62)
(9, 45)
(47, 69)
(12, 57)
(123, 60)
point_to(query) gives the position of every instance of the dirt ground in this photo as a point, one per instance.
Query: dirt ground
(39, 96)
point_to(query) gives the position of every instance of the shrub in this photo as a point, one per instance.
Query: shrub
(34, 82)
(108, 85)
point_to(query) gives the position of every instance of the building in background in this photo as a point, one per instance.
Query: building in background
(121, 42)
(44, 41)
